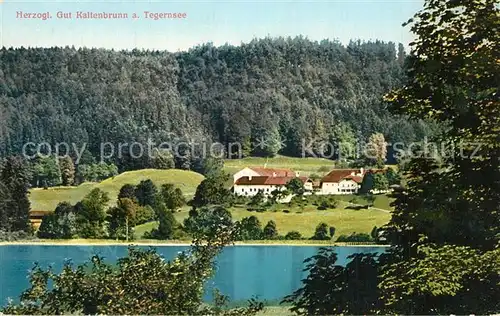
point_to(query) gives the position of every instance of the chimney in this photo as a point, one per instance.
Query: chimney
(361, 171)
(297, 174)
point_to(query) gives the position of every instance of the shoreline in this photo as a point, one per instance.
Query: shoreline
(171, 243)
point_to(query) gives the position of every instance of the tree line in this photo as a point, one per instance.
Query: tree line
(283, 90)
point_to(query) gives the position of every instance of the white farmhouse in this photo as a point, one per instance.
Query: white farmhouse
(342, 181)
(262, 171)
(250, 185)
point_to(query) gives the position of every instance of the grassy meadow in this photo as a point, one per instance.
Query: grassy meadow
(48, 199)
(303, 219)
(305, 166)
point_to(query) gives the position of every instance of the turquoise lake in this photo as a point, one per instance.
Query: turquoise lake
(266, 272)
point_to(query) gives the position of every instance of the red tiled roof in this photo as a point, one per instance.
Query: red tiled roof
(271, 171)
(338, 174)
(267, 180)
(356, 179)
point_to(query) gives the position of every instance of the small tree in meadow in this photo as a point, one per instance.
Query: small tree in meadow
(250, 228)
(321, 232)
(270, 231)
(293, 235)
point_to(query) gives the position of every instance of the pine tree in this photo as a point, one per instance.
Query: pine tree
(270, 231)
(67, 169)
(15, 177)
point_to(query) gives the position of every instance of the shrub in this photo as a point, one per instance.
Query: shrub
(293, 235)
(334, 202)
(270, 231)
(15, 235)
(250, 228)
(326, 204)
(355, 237)
(321, 232)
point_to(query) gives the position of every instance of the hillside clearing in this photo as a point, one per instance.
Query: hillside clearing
(304, 220)
(187, 181)
(306, 166)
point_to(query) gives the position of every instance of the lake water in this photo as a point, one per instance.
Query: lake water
(266, 272)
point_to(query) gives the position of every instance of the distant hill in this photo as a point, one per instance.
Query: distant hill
(48, 199)
(286, 90)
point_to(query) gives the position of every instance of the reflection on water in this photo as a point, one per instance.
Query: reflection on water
(266, 272)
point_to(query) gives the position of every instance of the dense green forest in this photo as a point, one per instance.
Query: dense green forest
(284, 89)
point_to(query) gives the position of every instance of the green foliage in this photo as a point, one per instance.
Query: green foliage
(127, 191)
(328, 203)
(445, 221)
(211, 191)
(295, 186)
(250, 228)
(293, 235)
(321, 232)
(345, 142)
(367, 184)
(146, 193)
(221, 94)
(270, 231)
(207, 221)
(392, 176)
(14, 203)
(172, 197)
(209, 167)
(96, 172)
(15, 235)
(278, 194)
(257, 199)
(167, 224)
(46, 171)
(162, 159)
(314, 177)
(332, 232)
(67, 168)
(380, 182)
(269, 140)
(91, 214)
(448, 278)
(355, 237)
(144, 214)
(374, 233)
(61, 224)
(122, 218)
(331, 289)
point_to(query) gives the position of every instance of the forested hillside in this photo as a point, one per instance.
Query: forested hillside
(281, 89)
